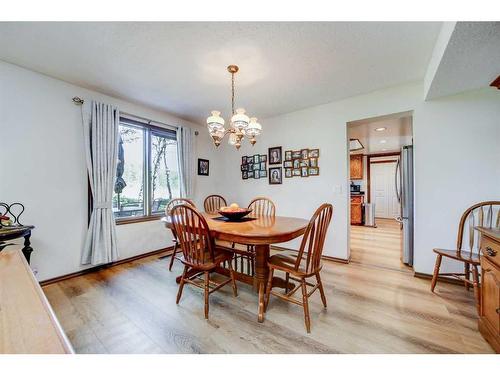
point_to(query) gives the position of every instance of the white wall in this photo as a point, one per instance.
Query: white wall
(456, 161)
(322, 127)
(43, 167)
(457, 164)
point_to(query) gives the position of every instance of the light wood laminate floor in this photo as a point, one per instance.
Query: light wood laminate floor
(379, 246)
(372, 308)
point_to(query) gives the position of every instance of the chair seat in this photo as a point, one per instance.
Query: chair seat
(286, 263)
(464, 256)
(220, 255)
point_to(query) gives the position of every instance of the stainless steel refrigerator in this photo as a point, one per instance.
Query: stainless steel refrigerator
(404, 191)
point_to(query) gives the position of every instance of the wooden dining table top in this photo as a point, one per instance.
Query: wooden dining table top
(253, 230)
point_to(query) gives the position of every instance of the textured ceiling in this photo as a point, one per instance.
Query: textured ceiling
(470, 59)
(181, 67)
(398, 133)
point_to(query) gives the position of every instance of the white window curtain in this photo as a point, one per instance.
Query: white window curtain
(101, 147)
(186, 152)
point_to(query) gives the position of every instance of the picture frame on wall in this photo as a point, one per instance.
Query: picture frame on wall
(304, 153)
(288, 155)
(274, 155)
(288, 172)
(296, 172)
(244, 175)
(256, 174)
(262, 165)
(304, 172)
(288, 164)
(295, 154)
(263, 158)
(203, 167)
(256, 166)
(256, 159)
(275, 176)
(313, 171)
(263, 173)
(296, 163)
(314, 153)
(243, 160)
(313, 162)
(250, 174)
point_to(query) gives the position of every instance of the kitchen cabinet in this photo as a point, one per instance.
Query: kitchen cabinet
(357, 209)
(356, 167)
(489, 320)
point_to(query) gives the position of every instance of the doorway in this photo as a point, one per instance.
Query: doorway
(381, 233)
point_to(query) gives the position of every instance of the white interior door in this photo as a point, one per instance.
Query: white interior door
(383, 191)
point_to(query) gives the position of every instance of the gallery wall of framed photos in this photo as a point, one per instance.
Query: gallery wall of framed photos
(254, 166)
(301, 163)
(296, 163)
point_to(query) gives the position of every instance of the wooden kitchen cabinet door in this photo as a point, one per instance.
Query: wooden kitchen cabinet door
(356, 214)
(356, 167)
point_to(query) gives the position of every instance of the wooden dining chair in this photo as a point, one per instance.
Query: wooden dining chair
(213, 203)
(305, 265)
(175, 202)
(261, 207)
(200, 255)
(481, 214)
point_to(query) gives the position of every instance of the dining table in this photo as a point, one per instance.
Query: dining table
(260, 232)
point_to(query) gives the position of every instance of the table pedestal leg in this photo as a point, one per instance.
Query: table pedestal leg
(261, 274)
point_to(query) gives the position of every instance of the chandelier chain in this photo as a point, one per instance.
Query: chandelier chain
(232, 93)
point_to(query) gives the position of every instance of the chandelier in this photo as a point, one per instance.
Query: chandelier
(240, 124)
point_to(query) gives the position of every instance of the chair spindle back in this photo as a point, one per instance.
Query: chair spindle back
(176, 202)
(484, 214)
(314, 239)
(213, 203)
(262, 206)
(193, 234)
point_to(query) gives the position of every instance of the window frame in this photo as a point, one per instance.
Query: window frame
(149, 129)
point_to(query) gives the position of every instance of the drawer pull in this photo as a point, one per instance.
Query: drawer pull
(498, 310)
(490, 251)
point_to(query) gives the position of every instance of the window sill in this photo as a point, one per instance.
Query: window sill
(140, 219)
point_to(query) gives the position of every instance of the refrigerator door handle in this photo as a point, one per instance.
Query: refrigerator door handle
(398, 195)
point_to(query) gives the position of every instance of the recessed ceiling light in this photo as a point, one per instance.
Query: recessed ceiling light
(383, 141)
(380, 129)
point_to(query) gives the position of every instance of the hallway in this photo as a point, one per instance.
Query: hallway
(380, 246)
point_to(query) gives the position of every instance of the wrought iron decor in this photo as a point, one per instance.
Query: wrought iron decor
(6, 210)
(11, 213)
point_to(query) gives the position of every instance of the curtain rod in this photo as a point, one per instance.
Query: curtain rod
(80, 101)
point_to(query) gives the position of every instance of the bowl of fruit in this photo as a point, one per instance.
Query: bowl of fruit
(234, 212)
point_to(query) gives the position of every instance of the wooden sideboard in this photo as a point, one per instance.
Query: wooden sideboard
(27, 323)
(356, 167)
(489, 320)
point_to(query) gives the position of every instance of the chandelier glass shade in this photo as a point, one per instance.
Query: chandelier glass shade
(240, 125)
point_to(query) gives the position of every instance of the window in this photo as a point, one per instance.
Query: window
(147, 173)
